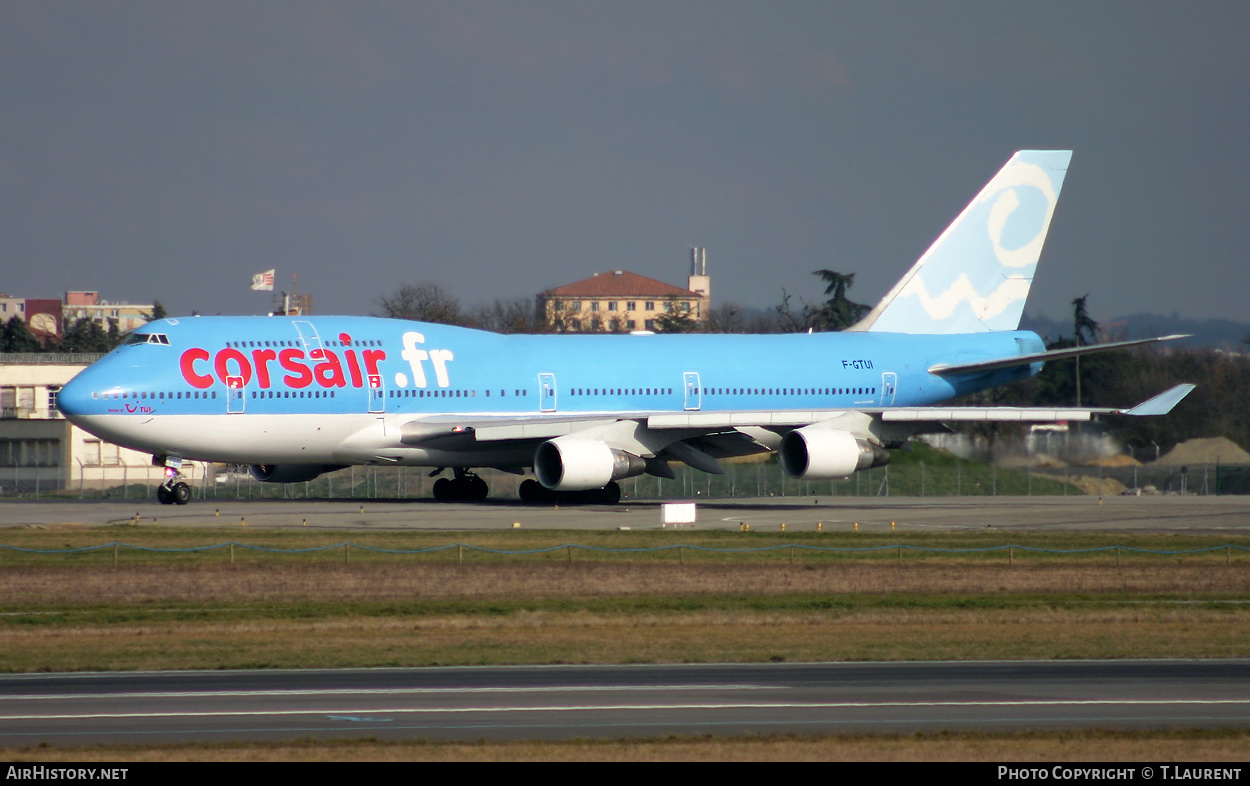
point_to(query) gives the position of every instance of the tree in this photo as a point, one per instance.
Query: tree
(425, 303)
(1082, 324)
(838, 312)
(158, 311)
(790, 321)
(86, 335)
(676, 318)
(507, 316)
(16, 337)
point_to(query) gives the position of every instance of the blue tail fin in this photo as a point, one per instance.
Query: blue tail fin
(976, 275)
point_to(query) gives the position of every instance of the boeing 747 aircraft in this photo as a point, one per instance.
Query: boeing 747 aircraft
(297, 397)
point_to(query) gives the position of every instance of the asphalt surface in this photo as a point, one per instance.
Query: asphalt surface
(561, 702)
(1193, 514)
(567, 702)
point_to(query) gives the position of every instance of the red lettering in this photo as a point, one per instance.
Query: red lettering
(187, 362)
(353, 368)
(372, 358)
(260, 359)
(222, 365)
(289, 358)
(329, 371)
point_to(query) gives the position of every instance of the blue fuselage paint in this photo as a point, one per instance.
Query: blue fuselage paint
(246, 366)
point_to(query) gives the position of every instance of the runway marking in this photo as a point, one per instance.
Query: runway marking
(623, 707)
(371, 691)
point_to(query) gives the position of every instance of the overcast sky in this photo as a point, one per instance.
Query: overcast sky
(166, 150)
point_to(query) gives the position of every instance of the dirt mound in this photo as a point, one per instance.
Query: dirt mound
(1107, 487)
(1210, 450)
(1035, 461)
(1118, 460)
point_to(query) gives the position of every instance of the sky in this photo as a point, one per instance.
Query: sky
(169, 150)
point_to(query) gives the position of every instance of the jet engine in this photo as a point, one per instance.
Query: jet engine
(814, 452)
(289, 473)
(572, 464)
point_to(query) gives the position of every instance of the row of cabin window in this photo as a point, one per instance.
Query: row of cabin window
(251, 344)
(293, 394)
(421, 393)
(727, 391)
(787, 391)
(161, 394)
(620, 391)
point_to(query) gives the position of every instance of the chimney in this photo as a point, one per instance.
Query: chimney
(700, 281)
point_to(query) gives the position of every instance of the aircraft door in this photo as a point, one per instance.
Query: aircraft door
(308, 335)
(377, 394)
(547, 392)
(693, 393)
(235, 393)
(889, 384)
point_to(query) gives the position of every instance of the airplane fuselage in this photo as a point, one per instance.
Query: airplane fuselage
(337, 390)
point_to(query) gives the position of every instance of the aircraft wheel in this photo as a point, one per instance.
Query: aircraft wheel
(443, 489)
(181, 494)
(532, 491)
(610, 494)
(162, 495)
(477, 488)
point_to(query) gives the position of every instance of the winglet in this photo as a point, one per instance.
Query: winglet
(1161, 404)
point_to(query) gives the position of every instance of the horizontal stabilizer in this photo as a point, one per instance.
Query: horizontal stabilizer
(1158, 405)
(1043, 357)
(1161, 404)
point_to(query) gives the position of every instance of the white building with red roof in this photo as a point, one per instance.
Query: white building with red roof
(618, 301)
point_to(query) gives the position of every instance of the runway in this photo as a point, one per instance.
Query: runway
(563, 702)
(1192, 514)
(566, 702)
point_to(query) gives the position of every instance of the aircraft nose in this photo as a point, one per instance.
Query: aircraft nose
(75, 399)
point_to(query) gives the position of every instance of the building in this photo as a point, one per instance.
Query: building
(618, 301)
(41, 315)
(88, 305)
(47, 318)
(40, 451)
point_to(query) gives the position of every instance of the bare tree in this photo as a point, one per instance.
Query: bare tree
(791, 321)
(507, 316)
(425, 302)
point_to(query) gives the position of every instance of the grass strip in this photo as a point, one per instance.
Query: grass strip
(1156, 747)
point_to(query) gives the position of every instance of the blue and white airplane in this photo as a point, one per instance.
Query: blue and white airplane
(297, 397)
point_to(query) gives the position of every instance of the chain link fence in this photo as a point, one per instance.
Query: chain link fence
(740, 480)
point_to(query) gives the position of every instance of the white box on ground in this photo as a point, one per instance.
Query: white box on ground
(676, 513)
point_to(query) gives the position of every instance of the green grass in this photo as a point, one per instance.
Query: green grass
(161, 610)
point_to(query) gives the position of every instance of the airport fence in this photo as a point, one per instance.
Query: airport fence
(679, 550)
(740, 480)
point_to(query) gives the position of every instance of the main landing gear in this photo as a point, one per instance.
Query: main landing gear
(174, 491)
(465, 487)
(532, 491)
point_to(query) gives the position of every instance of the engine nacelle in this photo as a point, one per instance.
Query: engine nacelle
(289, 473)
(572, 464)
(813, 452)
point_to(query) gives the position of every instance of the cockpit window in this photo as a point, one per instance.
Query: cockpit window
(147, 338)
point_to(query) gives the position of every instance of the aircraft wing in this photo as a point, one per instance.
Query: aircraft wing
(722, 434)
(1010, 361)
